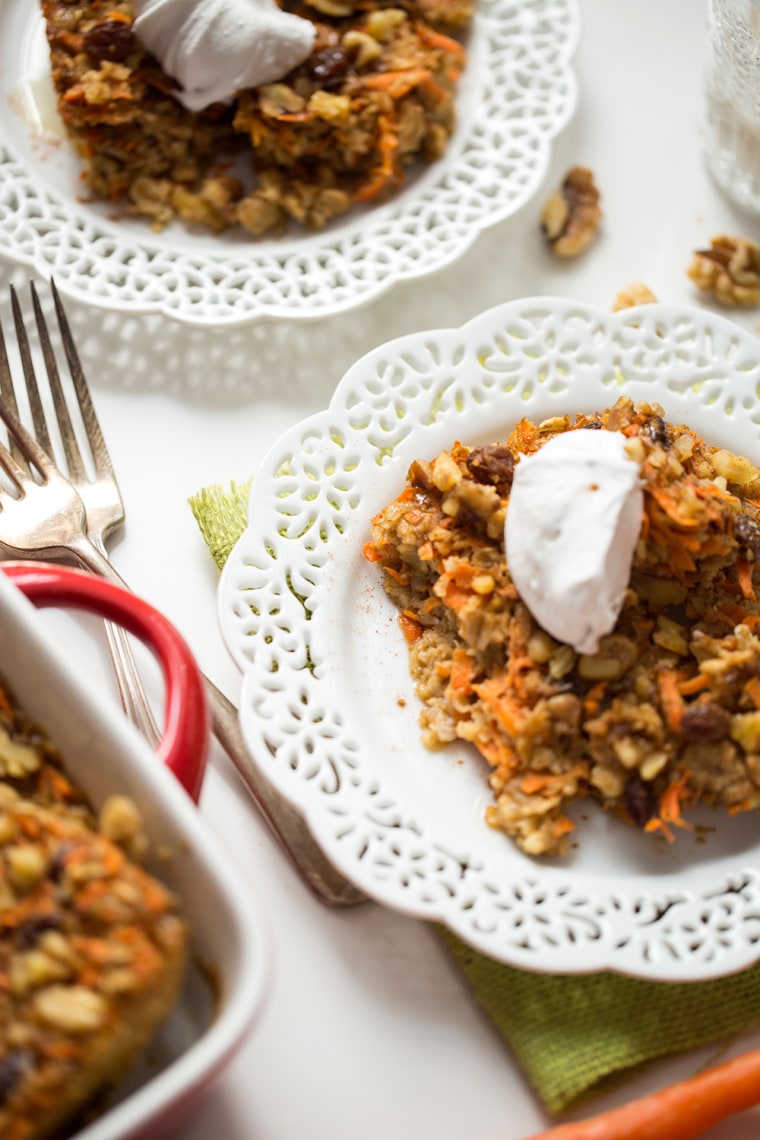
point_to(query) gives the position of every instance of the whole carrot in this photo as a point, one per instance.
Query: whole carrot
(679, 1111)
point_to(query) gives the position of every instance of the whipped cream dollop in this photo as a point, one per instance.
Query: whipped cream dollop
(573, 521)
(214, 48)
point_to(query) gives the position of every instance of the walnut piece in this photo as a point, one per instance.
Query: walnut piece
(572, 215)
(730, 270)
(637, 293)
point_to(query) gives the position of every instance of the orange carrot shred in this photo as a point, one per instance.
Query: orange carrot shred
(744, 574)
(693, 685)
(670, 800)
(670, 697)
(412, 629)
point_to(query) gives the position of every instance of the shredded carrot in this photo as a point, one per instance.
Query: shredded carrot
(5, 704)
(693, 685)
(438, 40)
(371, 552)
(670, 698)
(294, 117)
(533, 782)
(744, 574)
(495, 695)
(679, 1111)
(396, 83)
(593, 698)
(497, 752)
(412, 629)
(387, 171)
(671, 799)
(562, 826)
(670, 504)
(73, 41)
(460, 677)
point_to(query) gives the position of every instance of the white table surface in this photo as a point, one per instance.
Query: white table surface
(368, 1030)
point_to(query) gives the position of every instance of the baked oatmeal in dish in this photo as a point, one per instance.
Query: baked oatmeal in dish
(374, 95)
(665, 713)
(92, 947)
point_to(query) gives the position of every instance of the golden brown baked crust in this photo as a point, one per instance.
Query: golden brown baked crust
(376, 94)
(92, 948)
(666, 714)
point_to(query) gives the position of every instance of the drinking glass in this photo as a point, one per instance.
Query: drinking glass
(732, 88)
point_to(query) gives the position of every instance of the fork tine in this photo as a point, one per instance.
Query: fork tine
(26, 452)
(68, 436)
(8, 397)
(100, 456)
(35, 404)
(15, 472)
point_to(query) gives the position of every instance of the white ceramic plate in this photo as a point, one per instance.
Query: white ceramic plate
(224, 988)
(517, 92)
(328, 707)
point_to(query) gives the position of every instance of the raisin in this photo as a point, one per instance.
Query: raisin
(31, 929)
(111, 40)
(705, 722)
(639, 800)
(494, 465)
(656, 431)
(13, 1065)
(595, 425)
(57, 868)
(747, 534)
(330, 67)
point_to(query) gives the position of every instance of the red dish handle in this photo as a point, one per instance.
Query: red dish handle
(184, 745)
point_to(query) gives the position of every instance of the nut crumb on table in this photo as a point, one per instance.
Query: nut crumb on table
(729, 270)
(666, 714)
(637, 293)
(571, 216)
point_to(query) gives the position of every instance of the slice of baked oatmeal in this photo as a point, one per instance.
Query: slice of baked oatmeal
(92, 946)
(375, 95)
(666, 714)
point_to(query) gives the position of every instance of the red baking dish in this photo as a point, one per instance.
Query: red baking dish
(104, 754)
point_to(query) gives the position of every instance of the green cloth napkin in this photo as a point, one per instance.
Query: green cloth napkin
(574, 1035)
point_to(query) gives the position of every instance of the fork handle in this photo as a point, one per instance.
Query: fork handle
(283, 820)
(131, 691)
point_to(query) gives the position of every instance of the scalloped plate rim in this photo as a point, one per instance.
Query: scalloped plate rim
(318, 817)
(249, 309)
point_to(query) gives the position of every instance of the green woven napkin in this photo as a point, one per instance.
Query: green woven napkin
(573, 1035)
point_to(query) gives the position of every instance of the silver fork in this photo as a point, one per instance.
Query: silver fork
(104, 508)
(42, 514)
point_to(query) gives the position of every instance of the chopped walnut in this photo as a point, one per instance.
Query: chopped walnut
(637, 293)
(383, 22)
(572, 214)
(730, 270)
(336, 8)
(277, 99)
(16, 759)
(72, 1009)
(365, 48)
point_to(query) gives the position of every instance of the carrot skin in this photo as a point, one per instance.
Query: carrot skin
(680, 1111)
